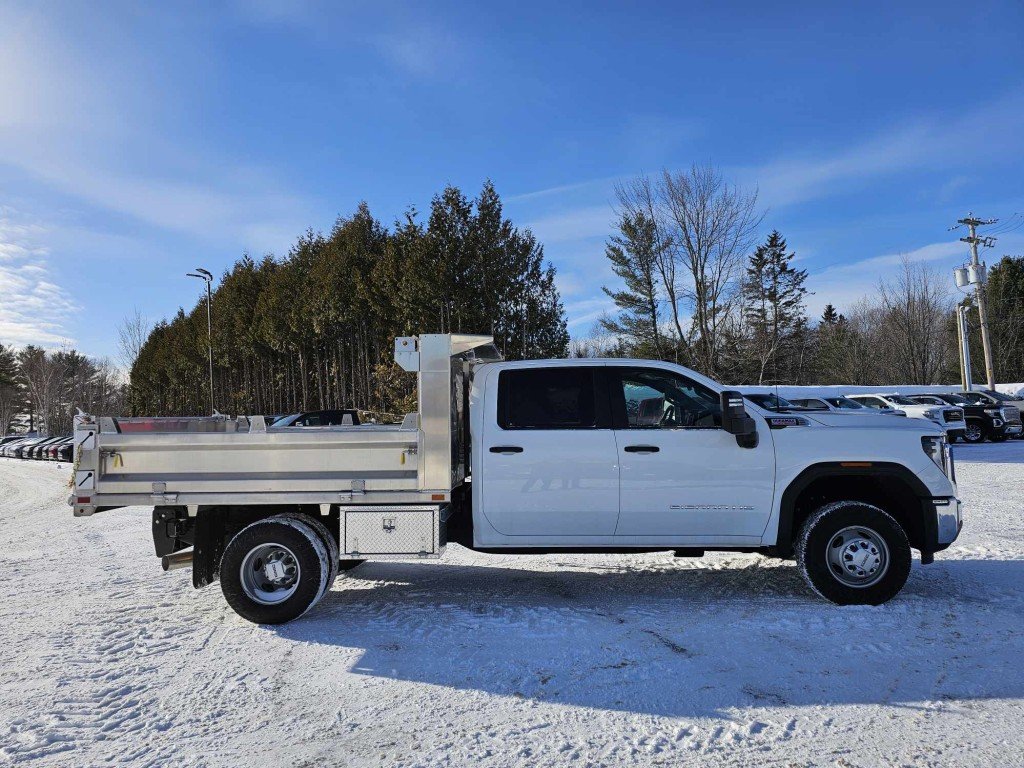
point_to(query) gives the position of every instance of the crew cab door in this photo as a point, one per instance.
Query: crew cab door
(682, 475)
(549, 457)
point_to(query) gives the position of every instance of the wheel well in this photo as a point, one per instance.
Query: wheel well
(888, 492)
(216, 526)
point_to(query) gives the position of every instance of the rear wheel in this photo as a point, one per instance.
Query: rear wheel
(854, 553)
(276, 569)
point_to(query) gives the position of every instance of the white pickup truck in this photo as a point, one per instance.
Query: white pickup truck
(527, 457)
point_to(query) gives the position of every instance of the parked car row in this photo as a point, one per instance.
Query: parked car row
(37, 448)
(973, 416)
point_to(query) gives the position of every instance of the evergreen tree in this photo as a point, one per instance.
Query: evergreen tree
(633, 254)
(774, 312)
(315, 329)
(1005, 294)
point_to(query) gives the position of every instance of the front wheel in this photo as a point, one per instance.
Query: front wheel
(276, 569)
(975, 432)
(853, 553)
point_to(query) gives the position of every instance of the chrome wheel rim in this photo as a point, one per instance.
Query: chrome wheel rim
(270, 574)
(857, 556)
(973, 433)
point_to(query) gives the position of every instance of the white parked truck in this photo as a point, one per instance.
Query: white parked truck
(583, 455)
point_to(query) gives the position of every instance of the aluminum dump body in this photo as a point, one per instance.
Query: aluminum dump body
(223, 461)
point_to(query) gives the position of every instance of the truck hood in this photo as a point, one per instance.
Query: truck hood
(873, 421)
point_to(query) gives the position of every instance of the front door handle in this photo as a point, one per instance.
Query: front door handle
(641, 449)
(506, 449)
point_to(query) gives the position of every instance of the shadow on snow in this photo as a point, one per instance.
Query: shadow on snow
(661, 638)
(1008, 452)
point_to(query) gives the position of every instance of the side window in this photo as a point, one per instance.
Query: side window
(871, 402)
(546, 398)
(657, 399)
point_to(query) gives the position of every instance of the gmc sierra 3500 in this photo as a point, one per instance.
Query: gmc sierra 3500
(536, 456)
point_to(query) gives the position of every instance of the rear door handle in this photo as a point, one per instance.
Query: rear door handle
(506, 449)
(641, 449)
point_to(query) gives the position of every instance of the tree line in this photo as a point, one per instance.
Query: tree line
(42, 388)
(316, 328)
(695, 288)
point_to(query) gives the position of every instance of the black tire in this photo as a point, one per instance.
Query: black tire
(329, 541)
(310, 553)
(975, 432)
(867, 523)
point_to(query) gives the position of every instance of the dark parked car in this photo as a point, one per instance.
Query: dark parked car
(37, 451)
(342, 417)
(18, 450)
(986, 420)
(66, 450)
(52, 451)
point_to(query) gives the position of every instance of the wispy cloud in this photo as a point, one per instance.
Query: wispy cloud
(844, 284)
(63, 122)
(574, 224)
(581, 315)
(420, 50)
(33, 309)
(930, 142)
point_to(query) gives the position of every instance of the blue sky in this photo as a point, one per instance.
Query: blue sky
(138, 141)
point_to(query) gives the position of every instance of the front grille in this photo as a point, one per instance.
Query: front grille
(1011, 413)
(952, 414)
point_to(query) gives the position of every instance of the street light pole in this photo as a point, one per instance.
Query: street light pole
(208, 278)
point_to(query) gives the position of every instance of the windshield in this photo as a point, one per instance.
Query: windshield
(900, 400)
(956, 399)
(286, 421)
(1000, 396)
(812, 405)
(844, 402)
(974, 397)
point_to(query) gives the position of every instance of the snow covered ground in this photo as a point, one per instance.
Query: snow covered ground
(501, 661)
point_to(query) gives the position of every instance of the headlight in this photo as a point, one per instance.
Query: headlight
(938, 451)
(932, 413)
(994, 411)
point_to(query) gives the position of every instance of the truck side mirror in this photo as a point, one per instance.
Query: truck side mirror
(736, 420)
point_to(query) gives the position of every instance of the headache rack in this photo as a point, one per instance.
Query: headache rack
(217, 460)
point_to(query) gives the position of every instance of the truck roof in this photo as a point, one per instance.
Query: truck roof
(624, 362)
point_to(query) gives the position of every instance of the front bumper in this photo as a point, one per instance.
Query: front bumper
(1011, 428)
(943, 520)
(948, 520)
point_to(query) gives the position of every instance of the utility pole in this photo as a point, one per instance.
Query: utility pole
(977, 276)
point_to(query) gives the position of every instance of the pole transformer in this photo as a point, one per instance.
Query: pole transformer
(976, 272)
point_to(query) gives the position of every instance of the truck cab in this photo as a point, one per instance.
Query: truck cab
(580, 455)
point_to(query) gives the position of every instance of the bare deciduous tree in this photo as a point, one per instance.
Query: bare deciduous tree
(704, 227)
(916, 306)
(715, 224)
(131, 336)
